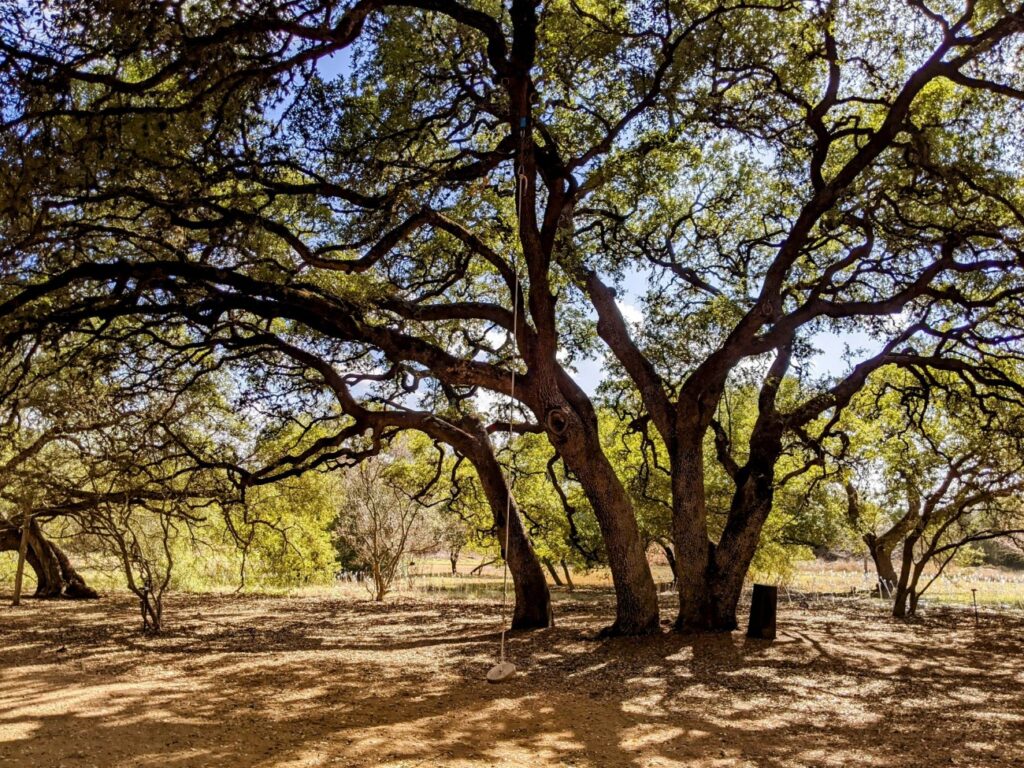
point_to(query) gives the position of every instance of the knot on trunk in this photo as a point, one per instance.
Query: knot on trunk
(557, 421)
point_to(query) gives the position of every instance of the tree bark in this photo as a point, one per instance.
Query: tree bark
(74, 586)
(711, 576)
(881, 546)
(636, 609)
(152, 609)
(899, 608)
(533, 600)
(670, 556)
(881, 551)
(55, 576)
(693, 549)
(732, 561)
(554, 574)
(568, 578)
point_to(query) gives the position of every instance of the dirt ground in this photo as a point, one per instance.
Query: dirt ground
(250, 681)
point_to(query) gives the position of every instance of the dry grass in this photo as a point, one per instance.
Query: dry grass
(316, 681)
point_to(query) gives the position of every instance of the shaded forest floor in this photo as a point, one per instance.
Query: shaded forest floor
(261, 681)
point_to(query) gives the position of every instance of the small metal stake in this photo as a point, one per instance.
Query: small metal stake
(974, 597)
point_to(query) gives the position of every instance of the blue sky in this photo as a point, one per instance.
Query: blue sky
(830, 361)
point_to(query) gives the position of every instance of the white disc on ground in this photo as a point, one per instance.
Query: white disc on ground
(499, 672)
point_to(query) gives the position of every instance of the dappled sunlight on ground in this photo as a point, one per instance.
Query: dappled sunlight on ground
(312, 681)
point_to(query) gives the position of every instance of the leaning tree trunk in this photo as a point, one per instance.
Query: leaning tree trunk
(904, 587)
(733, 557)
(568, 576)
(881, 555)
(670, 557)
(55, 575)
(533, 599)
(554, 574)
(636, 609)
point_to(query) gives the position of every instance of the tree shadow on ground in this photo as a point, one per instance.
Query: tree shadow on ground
(239, 681)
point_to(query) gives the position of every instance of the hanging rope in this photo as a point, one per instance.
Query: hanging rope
(523, 183)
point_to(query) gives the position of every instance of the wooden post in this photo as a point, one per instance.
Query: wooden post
(22, 554)
(763, 604)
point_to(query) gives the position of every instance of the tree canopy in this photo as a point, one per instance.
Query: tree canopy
(431, 204)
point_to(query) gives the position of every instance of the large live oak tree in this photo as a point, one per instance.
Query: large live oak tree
(458, 188)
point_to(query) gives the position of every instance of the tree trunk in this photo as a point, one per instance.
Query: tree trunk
(899, 608)
(711, 576)
(913, 594)
(152, 608)
(885, 572)
(379, 587)
(670, 556)
(55, 576)
(75, 587)
(693, 549)
(568, 578)
(636, 609)
(533, 600)
(554, 574)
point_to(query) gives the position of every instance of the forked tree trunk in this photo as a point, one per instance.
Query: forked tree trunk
(55, 576)
(711, 576)
(152, 608)
(881, 546)
(903, 583)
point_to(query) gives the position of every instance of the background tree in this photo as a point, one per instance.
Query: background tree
(382, 522)
(930, 471)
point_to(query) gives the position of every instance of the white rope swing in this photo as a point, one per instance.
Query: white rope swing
(505, 669)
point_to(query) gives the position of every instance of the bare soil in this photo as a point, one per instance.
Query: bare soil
(257, 681)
